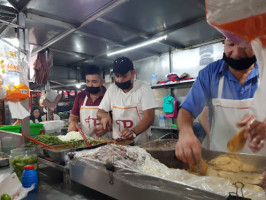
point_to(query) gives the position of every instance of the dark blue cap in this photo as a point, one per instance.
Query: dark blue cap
(122, 65)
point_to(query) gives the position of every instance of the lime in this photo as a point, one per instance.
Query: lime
(5, 197)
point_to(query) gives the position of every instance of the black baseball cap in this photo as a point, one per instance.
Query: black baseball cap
(122, 65)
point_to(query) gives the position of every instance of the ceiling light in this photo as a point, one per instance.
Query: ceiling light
(138, 45)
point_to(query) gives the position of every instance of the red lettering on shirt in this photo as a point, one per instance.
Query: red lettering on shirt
(124, 124)
(96, 122)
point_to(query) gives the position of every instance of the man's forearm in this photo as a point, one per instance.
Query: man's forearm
(145, 123)
(184, 119)
(204, 120)
(73, 119)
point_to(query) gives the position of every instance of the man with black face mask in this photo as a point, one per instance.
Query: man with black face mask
(227, 87)
(132, 104)
(86, 105)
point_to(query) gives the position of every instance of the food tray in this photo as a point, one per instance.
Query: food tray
(4, 159)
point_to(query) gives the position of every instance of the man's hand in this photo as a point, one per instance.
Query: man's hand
(106, 122)
(255, 130)
(73, 126)
(99, 131)
(126, 133)
(73, 123)
(105, 119)
(188, 147)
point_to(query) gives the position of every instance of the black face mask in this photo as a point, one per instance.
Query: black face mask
(124, 85)
(240, 64)
(93, 90)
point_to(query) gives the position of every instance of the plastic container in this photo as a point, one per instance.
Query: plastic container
(21, 157)
(7, 144)
(29, 177)
(53, 126)
(174, 125)
(153, 79)
(162, 121)
(35, 128)
(168, 121)
(10, 128)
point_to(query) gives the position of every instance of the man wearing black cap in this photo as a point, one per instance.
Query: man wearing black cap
(132, 104)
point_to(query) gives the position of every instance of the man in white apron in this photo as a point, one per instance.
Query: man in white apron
(86, 105)
(131, 102)
(227, 86)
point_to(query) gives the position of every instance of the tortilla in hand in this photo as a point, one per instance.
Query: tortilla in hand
(237, 142)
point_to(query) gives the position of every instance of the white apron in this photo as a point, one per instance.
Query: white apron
(226, 113)
(128, 117)
(89, 121)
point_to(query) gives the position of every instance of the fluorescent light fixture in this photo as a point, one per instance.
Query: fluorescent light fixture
(138, 45)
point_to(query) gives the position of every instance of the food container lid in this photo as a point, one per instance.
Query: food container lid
(28, 167)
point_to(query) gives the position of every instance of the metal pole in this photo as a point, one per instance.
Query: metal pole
(24, 45)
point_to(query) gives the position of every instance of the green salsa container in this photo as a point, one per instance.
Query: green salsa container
(23, 156)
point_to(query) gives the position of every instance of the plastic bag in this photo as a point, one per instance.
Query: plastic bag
(14, 84)
(174, 113)
(238, 20)
(168, 104)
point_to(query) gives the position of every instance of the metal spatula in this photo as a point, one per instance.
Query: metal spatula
(237, 142)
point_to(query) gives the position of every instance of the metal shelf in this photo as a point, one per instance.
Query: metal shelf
(163, 128)
(184, 83)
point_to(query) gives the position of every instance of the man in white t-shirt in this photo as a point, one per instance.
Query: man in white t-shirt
(132, 104)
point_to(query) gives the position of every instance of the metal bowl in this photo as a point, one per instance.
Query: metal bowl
(164, 151)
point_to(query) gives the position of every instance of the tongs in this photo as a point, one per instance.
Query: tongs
(37, 142)
(200, 167)
(84, 137)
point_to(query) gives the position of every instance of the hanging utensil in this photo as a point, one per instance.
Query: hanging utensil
(16, 122)
(84, 137)
(37, 142)
(237, 142)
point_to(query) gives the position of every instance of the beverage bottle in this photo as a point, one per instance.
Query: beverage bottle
(153, 79)
(161, 120)
(29, 177)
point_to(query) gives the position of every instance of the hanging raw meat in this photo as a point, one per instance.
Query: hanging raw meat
(42, 66)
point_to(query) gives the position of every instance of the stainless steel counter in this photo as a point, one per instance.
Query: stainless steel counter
(130, 185)
(51, 186)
